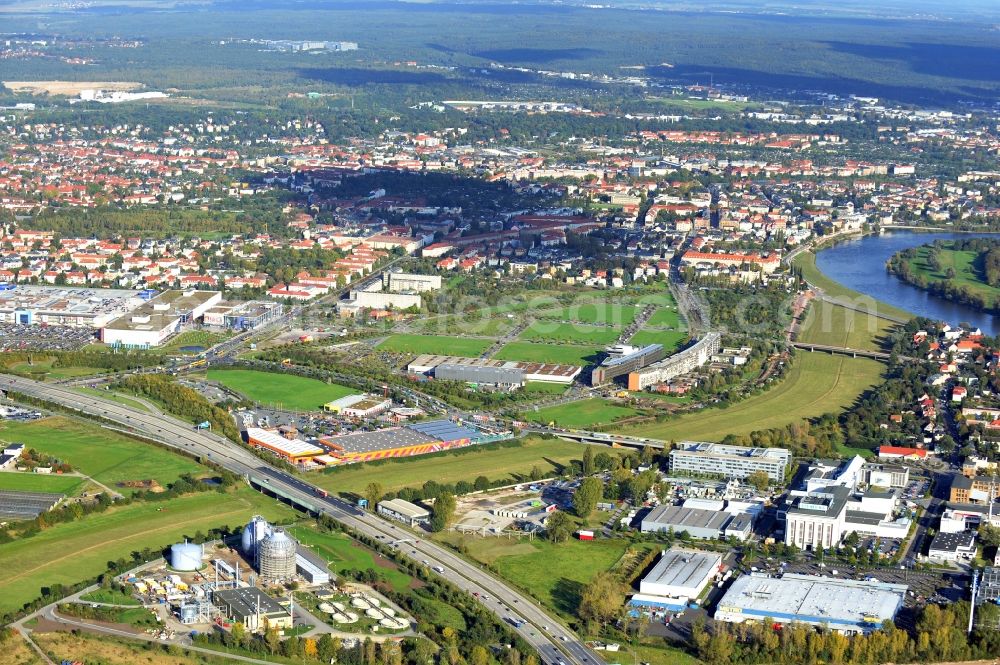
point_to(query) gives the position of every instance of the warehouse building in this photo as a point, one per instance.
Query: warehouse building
(152, 323)
(729, 461)
(312, 568)
(416, 439)
(703, 524)
(428, 364)
(291, 450)
(847, 606)
(952, 547)
(680, 574)
(500, 377)
(252, 607)
(358, 406)
(403, 511)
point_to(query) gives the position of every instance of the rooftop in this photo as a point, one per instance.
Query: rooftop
(678, 567)
(818, 599)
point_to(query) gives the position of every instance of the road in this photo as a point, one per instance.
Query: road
(553, 642)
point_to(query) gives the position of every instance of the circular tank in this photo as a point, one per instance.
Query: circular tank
(185, 556)
(276, 556)
(254, 532)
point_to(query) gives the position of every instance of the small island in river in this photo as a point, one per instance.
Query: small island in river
(966, 271)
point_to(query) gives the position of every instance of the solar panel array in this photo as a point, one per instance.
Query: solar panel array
(444, 430)
(26, 505)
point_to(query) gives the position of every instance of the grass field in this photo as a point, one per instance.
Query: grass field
(70, 552)
(36, 482)
(603, 313)
(200, 338)
(550, 455)
(817, 383)
(110, 597)
(113, 396)
(342, 553)
(543, 388)
(830, 324)
(806, 261)
(42, 369)
(286, 391)
(670, 339)
(665, 317)
(104, 455)
(443, 344)
(967, 274)
(573, 333)
(553, 573)
(564, 354)
(580, 415)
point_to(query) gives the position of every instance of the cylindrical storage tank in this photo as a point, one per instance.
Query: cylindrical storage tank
(185, 556)
(254, 532)
(276, 556)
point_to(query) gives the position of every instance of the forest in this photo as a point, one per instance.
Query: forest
(454, 46)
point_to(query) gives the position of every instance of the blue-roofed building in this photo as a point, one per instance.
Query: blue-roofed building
(445, 430)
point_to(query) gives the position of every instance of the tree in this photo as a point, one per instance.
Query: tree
(273, 640)
(479, 656)
(760, 480)
(373, 494)
(588, 460)
(989, 535)
(558, 527)
(239, 633)
(587, 495)
(482, 483)
(602, 599)
(444, 511)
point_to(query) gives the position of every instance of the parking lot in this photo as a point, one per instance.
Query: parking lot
(15, 337)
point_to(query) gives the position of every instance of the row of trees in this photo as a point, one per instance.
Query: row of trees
(939, 635)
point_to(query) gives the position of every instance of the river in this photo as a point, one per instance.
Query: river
(859, 264)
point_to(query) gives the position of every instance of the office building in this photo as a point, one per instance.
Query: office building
(729, 461)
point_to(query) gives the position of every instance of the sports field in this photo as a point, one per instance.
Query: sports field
(70, 552)
(563, 354)
(573, 333)
(833, 325)
(817, 383)
(579, 415)
(286, 391)
(442, 344)
(602, 313)
(342, 553)
(36, 482)
(102, 454)
(549, 455)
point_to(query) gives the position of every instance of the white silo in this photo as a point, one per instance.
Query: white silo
(185, 556)
(276, 557)
(255, 531)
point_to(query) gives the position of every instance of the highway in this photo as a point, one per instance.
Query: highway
(554, 643)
